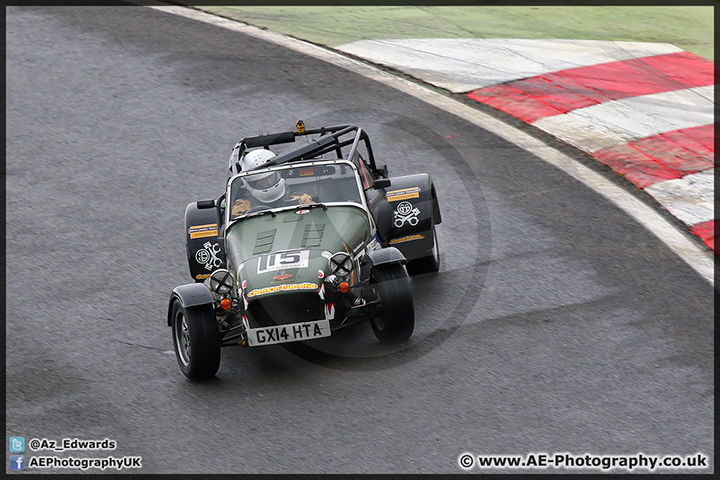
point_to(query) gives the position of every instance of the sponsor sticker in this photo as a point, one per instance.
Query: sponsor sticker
(282, 288)
(282, 276)
(404, 194)
(409, 238)
(271, 262)
(208, 256)
(374, 244)
(357, 248)
(200, 231)
(405, 213)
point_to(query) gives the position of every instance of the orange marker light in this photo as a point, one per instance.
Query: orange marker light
(226, 303)
(344, 287)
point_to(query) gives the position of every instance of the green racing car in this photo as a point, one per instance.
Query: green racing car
(301, 244)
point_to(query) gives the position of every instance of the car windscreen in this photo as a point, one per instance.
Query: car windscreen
(293, 186)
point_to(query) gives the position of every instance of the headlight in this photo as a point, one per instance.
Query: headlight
(341, 264)
(221, 281)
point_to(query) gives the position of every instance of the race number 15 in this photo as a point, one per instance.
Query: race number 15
(290, 259)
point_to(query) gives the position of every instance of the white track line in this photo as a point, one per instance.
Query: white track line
(465, 64)
(689, 198)
(697, 257)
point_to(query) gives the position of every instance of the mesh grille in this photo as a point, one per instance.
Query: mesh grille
(287, 308)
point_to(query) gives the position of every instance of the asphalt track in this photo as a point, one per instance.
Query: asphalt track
(556, 323)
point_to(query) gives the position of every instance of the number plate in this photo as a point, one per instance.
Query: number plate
(288, 333)
(271, 262)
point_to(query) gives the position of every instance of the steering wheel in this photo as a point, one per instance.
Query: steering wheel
(258, 208)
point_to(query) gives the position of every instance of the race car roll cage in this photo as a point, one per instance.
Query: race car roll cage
(330, 140)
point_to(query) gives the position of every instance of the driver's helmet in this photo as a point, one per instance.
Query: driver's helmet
(266, 187)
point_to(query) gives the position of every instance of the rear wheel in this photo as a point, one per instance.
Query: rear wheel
(196, 340)
(428, 264)
(397, 321)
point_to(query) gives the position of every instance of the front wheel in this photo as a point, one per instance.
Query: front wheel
(196, 340)
(397, 321)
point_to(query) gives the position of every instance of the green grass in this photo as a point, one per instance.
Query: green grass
(690, 28)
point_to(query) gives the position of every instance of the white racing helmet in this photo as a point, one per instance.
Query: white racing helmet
(266, 187)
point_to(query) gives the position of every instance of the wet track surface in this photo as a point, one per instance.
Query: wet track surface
(555, 325)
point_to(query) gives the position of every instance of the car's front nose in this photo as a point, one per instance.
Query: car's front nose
(294, 307)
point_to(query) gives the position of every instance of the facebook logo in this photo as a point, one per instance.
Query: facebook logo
(17, 444)
(17, 462)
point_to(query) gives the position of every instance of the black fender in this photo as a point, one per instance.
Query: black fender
(190, 295)
(406, 213)
(385, 256)
(205, 246)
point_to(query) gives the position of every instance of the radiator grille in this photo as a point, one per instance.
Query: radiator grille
(287, 308)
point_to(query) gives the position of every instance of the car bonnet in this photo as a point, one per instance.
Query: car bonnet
(289, 252)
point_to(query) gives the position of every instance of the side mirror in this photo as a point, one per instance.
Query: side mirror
(381, 183)
(203, 204)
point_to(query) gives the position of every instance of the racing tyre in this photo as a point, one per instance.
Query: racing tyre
(397, 321)
(429, 264)
(196, 340)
